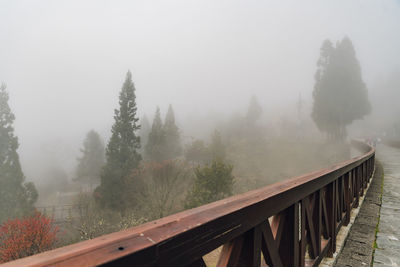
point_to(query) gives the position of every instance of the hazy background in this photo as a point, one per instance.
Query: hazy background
(64, 61)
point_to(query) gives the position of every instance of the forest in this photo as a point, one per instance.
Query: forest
(146, 171)
(122, 142)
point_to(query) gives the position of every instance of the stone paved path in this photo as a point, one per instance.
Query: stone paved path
(388, 237)
(359, 246)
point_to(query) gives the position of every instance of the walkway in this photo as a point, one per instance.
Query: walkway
(388, 239)
(359, 246)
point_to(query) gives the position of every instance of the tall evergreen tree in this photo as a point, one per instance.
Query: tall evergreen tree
(172, 136)
(16, 197)
(340, 95)
(92, 160)
(155, 147)
(122, 150)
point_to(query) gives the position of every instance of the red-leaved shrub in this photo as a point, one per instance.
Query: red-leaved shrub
(26, 236)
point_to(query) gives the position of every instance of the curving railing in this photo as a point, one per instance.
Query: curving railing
(290, 223)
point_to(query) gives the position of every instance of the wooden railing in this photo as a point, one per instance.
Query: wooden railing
(290, 223)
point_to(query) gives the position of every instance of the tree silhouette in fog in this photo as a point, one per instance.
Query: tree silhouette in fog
(164, 141)
(92, 160)
(16, 197)
(340, 95)
(122, 150)
(172, 135)
(155, 148)
(145, 129)
(254, 112)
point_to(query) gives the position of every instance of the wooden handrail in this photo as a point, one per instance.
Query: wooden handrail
(292, 223)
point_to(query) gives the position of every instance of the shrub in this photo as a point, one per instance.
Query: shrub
(26, 236)
(213, 182)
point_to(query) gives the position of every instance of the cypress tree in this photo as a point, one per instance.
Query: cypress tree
(172, 135)
(340, 95)
(122, 154)
(16, 197)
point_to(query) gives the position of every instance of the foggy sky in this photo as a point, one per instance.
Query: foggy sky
(64, 61)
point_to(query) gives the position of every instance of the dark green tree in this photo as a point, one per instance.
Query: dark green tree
(155, 149)
(122, 150)
(173, 146)
(16, 197)
(340, 95)
(212, 182)
(92, 160)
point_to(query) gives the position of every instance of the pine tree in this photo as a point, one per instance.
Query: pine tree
(155, 149)
(16, 198)
(92, 160)
(340, 95)
(172, 136)
(122, 154)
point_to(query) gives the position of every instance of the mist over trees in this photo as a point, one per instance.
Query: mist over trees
(340, 94)
(16, 197)
(164, 141)
(172, 135)
(145, 128)
(92, 160)
(227, 102)
(254, 112)
(155, 147)
(159, 187)
(122, 150)
(197, 152)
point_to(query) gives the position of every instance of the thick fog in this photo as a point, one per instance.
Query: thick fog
(64, 62)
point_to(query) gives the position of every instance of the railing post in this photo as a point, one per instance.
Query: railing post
(290, 245)
(347, 195)
(251, 252)
(302, 234)
(317, 219)
(341, 197)
(357, 187)
(365, 172)
(361, 179)
(331, 208)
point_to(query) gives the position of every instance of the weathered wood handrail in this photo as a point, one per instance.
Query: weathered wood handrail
(291, 223)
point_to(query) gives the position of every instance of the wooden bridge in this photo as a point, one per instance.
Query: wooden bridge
(290, 223)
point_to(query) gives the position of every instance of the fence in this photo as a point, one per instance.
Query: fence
(64, 213)
(290, 223)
